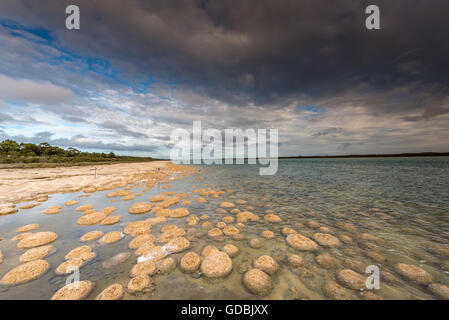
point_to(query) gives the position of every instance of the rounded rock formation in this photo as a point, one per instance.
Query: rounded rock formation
(91, 219)
(25, 272)
(91, 235)
(36, 239)
(111, 220)
(413, 273)
(214, 233)
(113, 292)
(190, 262)
(326, 261)
(28, 227)
(178, 244)
(255, 243)
(301, 243)
(257, 282)
(145, 267)
(36, 253)
(231, 250)
(267, 264)
(139, 283)
(179, 213)
(137, 228)
(74, 291)
(351, 279)
(216, 265)
(267, 234)
(140, 208)
(53, 210)
(334, 291)
(326, 240)
(271, 217)
(111, 237)
(295, 261)
(440, 290)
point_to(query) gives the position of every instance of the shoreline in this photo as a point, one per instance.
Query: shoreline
(27, 184)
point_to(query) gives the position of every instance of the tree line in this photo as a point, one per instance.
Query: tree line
(13, 152)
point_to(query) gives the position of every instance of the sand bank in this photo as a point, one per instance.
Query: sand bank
(18, 185)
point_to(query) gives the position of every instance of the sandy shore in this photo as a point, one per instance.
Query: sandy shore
(18, 185)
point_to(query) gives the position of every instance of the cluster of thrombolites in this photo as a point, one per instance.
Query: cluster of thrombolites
(158, 245)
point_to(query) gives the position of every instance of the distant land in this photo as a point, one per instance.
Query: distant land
(418, 154)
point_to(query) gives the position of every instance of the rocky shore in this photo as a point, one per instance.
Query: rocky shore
(18, 185)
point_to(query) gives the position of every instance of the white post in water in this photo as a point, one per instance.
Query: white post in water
(96, 169)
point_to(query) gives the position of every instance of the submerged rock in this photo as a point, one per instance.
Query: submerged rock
(413, 273)
(230, 230)
(7, 210)
(267, 234)
(84, 207)
(214, 233)
(25, 272)
(179, 213)
(91, 219)
(140, 240)
(301, 243)
(440, 290)
(111, 220)
(113, 292)
(69, 266)
(190, 262)
(36, 253)
(326, 261)
(145, 267)
(140, 208)
(178, 244)
(257, 282)
(92, 235)
(326, 240)
(28, 227)
(287, 230)
(74, 291)
(207, 250)
(36, 239)
(140, 283)
(271, 217)
(111, 237)
(231, 250)
(137, 228)
(81, 252)
(53, 210)
(267, 264)
(165, 266)
(216, 265)
(334, 291)
(295, 261)
(115, 260)
(255, 243)
(351, 279)
(29, 206)
(227, 205)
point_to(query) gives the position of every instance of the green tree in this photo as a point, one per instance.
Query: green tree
(30, 149)
(9, 146)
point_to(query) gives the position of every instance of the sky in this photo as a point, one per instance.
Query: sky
(137, 70)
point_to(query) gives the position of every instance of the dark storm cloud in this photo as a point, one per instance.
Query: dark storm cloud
(270, 53)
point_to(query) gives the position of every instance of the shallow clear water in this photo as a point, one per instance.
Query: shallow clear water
(403, 201)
